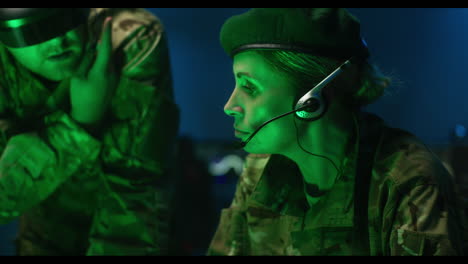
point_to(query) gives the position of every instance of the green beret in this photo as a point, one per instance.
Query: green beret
(328, 32)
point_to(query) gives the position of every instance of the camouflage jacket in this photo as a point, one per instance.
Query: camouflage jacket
(79, 192)
(411, 210)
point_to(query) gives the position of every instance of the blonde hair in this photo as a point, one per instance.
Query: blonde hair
(363, 87)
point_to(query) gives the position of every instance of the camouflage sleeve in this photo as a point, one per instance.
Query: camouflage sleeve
(33, 165)
(34, 162)
(133, 210)
(425, 218)
(231, 236)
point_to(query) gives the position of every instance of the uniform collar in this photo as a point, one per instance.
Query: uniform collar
(281, 187)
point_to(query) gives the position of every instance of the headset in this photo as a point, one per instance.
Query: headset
(310, 107)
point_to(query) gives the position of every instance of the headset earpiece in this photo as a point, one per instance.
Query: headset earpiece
(313, 105)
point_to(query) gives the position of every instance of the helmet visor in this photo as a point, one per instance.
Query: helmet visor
(40, 26)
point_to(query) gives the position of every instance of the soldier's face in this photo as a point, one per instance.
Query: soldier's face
(261, 93)
(55, 59)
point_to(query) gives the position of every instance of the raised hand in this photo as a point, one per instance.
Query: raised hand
(95, 81)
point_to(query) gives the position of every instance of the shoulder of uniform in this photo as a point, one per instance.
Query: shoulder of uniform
(405, 159)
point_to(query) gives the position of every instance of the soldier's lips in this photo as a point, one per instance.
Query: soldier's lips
(61, 56)
(240, 134)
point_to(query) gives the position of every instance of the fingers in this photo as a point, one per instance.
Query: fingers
(105, 46)
(86, 62)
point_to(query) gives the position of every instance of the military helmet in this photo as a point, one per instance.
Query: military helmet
(22, 27)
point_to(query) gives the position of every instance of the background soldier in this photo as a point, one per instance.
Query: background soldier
(87, 123)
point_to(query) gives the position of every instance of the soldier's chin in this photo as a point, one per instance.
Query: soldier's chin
(59, 74)
(57, 71)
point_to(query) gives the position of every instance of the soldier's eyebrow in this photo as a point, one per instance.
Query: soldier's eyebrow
(249, 78)
(240, 74)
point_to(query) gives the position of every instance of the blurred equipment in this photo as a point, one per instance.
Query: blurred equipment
(459, 160)
(207, 177)
(455, 158)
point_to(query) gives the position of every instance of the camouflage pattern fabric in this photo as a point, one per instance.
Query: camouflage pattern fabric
(412, 209)
(88, 193)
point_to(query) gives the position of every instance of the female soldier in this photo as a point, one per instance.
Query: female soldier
(334, 181)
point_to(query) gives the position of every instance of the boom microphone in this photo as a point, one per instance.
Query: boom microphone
(242, 144)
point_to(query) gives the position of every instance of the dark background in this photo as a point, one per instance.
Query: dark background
(424, 50)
